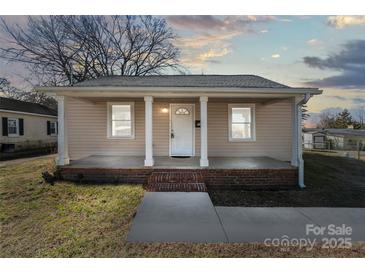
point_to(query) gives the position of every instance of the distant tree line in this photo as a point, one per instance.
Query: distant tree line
(28, 96)
(342, 119)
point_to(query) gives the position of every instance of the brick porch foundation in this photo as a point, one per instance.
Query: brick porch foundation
(213, 178)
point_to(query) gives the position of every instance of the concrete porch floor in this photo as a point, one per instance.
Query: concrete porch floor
(165, 162)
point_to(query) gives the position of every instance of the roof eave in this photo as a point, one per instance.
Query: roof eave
(57, 90)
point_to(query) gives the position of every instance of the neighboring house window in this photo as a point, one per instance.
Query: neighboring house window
(52, 128)
(318, 139)
(121, 120)
(241, 122)
(13, 127)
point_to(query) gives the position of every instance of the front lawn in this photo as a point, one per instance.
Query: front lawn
(73, 220)
(331, 181)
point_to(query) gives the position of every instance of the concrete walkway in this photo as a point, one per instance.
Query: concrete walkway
(176, 217)
(191, 217)
(255, 224)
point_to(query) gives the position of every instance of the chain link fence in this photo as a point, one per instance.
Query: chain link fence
(351, 148)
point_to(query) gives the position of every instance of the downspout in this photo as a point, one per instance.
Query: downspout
(298, 107)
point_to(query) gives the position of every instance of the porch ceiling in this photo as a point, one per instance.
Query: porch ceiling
(165, 162)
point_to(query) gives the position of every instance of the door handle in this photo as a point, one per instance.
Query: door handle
(172, 135)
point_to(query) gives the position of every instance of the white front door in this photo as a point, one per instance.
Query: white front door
(182, 130)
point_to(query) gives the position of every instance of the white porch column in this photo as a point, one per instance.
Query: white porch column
(204, 131)
(300, 147)
(297, 149)
(63, 158)
(148, 131)
(294, 151)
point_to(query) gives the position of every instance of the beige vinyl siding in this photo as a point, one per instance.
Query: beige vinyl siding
(87, 129)
(273, 131)
(35, 129)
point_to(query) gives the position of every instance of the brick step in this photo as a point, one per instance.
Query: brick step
(176, 181)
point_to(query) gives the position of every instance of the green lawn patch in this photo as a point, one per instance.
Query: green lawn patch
(73, 220)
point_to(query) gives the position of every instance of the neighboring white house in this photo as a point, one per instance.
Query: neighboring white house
(314, 139)
(205, 117)
(333, 138)
(26, 126)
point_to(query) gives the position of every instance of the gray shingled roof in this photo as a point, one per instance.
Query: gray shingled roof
(219, 81)
(17, 105)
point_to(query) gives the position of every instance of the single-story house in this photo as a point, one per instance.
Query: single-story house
(26, 127)
(234, 130)
(314, 139)
(334, 138)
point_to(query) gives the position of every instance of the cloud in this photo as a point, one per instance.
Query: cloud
(285, 20)
(202, 40)
(210, 22)
(340, 22)
(202, 58)
(210, 37)
(315, 42)
(264, 31)
(275, 56)
(338, 97)
(359, 100)
(213, 53)
(349, 62)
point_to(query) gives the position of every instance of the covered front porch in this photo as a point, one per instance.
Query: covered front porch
(222, 172)
(166, 162)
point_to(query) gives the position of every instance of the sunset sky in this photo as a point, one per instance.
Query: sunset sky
(318, 51)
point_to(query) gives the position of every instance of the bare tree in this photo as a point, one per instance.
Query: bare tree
(326, 120)
(70, 49)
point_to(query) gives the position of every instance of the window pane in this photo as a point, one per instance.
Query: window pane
(121, 112)
(122, 128)
(12, 126)
(241, 115)
(241, 131)
(53, 128)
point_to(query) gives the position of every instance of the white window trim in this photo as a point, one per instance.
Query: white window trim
(17, 127)
(253, 122)
(109, 120)
(55, 126)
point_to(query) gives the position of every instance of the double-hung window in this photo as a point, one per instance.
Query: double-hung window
(120, 120)
(53, 128)
(241, 119)
(13, 127)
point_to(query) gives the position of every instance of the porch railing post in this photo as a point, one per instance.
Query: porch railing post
(204, 131)
(148, 131)
(62, 144)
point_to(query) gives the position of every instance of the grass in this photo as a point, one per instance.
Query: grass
(331, 181)
(73, 220)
